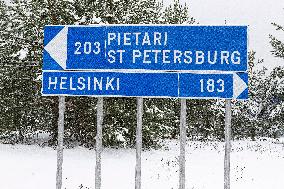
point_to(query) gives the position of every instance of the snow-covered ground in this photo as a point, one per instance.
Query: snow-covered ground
(254, 165)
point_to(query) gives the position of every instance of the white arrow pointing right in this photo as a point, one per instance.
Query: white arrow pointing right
(57, 47)
(238, 86)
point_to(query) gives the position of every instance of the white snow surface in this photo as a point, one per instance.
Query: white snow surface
(254, 165)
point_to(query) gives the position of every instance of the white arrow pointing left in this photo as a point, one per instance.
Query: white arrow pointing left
(57, 47)
(238, 85)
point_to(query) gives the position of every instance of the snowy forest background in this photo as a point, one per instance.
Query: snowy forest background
(26, 116)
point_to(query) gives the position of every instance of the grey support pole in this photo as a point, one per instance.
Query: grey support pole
(138, 143)
(182, 144)
(61, 108)
(228, 117)
(100, 105)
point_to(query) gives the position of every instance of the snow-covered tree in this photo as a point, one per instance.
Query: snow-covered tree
(261, 114)
(277, 45)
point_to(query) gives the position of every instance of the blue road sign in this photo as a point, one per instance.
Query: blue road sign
(145, 47)
(206, 86)
(110, 84)
(184, 85)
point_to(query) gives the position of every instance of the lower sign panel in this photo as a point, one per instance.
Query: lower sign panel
(227, 86)
(110, 84)
(183, 85)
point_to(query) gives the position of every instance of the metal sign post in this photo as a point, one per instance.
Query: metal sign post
(182, 144)
(61, 108)
(138, 143)
(100, 104)
(228, 117)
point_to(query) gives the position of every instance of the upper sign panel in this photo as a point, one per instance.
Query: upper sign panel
(145, 47)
